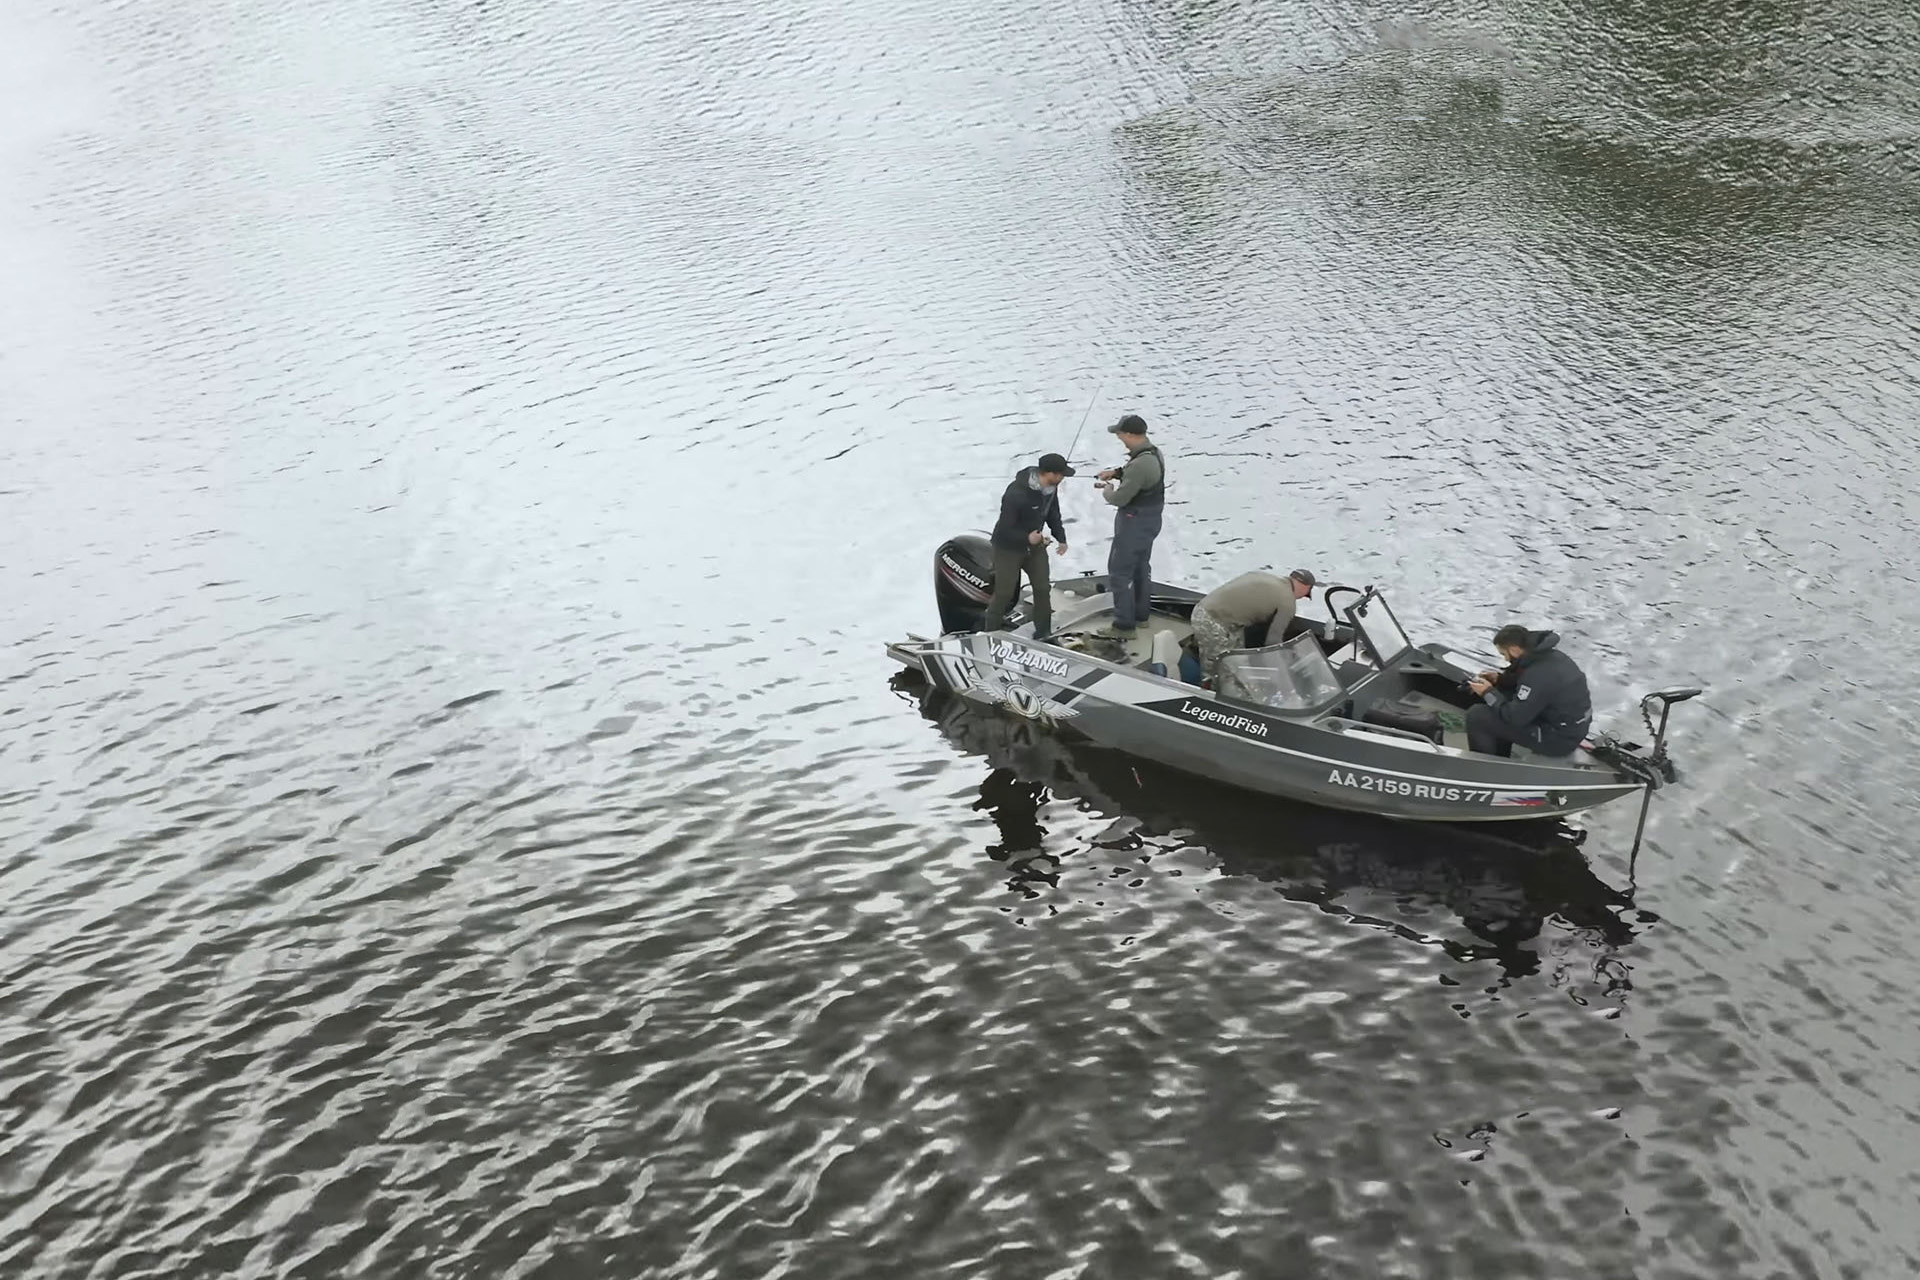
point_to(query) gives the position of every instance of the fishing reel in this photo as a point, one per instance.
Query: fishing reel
(1502, 682)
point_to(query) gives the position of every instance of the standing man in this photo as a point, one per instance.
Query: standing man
(1539, 701)
(1139, 490)
(1019, 543)
(1221, 619)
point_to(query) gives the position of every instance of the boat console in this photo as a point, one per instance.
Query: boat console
(1392, 684)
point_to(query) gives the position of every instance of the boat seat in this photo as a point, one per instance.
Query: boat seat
(1140, 644)
(1453, 721)
(1405, 714)
(1164, 652)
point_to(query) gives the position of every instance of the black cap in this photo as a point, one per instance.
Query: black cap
(1132, 424)
(1304, 577)
(1055, 464)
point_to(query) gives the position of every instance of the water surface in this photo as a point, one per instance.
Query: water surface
(460, 464)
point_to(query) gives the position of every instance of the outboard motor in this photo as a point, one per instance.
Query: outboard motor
(963, 582)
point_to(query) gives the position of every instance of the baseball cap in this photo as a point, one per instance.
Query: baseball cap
(1133, 424)
(1304, 577)
(1053, 462)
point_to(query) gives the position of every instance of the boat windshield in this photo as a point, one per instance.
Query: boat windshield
(1293, 676)
(1380, 629)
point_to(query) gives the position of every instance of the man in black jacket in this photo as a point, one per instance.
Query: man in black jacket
(1539, 701)
(1030, 502)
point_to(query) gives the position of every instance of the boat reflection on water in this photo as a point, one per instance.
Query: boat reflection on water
(1505, 882)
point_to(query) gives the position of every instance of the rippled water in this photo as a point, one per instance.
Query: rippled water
(460, 463)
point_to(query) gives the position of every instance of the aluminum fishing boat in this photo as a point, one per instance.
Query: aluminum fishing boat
(1348, 713)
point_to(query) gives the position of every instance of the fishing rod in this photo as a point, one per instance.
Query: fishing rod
(1002, 476)
(1084, 419)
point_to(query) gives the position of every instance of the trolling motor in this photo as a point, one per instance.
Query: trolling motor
(1651, 770)
(1654, 768)
(1657, 758)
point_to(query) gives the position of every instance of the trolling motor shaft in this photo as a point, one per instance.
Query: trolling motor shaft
(1654, 768)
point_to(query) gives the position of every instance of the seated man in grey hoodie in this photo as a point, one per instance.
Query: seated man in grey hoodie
(1221, 619)
(1540, 701)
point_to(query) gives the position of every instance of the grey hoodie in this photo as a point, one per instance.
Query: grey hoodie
(1544, 687)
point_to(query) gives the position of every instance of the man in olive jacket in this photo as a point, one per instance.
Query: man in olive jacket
(1139, 491)
(1225, 614)
(1539, 701)
(1030, 502)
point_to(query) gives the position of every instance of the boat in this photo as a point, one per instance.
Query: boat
(1503, 882)
(1347, 714)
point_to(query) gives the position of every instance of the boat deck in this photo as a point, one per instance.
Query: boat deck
(1093, 615)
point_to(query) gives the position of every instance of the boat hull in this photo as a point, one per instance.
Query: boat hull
(1190, 730)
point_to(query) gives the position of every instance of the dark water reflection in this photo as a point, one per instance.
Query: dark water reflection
(1503, 882)
(459, 464)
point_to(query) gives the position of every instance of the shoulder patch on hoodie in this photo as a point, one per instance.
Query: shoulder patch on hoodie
(1522, 692)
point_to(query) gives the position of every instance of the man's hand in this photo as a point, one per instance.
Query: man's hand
(1059, 548)
(1490, 676)
(1480, 685)
(1105, 475)
(1036, 538)
(1102, 485)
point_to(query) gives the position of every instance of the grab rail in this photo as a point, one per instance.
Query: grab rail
(1384, 730)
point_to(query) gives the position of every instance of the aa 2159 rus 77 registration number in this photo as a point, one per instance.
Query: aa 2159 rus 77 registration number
(1414, 790)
